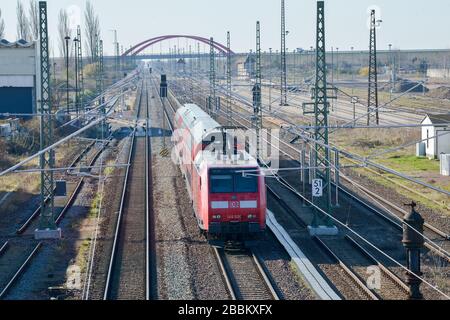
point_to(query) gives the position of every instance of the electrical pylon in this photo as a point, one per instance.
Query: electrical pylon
(229, 83)
(80, 70)
(47, 159)
(212, 100)
(283, 101)
(321, 106)
(372, 101)
(257, 104)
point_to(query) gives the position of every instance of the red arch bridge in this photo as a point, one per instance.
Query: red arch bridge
(135, 50)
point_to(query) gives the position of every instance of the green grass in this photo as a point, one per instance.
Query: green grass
(410, 163)
(82, 256)
(95, 207)
(411, 100)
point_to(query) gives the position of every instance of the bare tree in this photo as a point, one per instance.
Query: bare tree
(92, 30)
(23, 25)
(63, 32)
(2, 26)
(34, 19)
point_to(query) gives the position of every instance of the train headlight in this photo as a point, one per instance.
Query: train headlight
(217, 217)
(251, 216)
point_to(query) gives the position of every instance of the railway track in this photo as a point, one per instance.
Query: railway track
(402, 289)
(244, 275)
(129, 267)
(440, 239)
(27, 255)
(386, 271)
(21, 268)
(26, 225)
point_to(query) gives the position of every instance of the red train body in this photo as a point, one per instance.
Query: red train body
(228, 191)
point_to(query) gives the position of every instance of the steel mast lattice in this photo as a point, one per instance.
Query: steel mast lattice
(372, 105)
(47, 159)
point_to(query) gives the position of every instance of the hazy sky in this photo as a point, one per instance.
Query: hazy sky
(407, 24)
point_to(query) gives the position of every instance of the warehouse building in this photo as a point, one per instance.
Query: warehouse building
(18, 68)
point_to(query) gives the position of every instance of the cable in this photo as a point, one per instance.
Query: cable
(354, 232)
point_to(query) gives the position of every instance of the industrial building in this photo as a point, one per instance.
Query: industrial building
(18, 68)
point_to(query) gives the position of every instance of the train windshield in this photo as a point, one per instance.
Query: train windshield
(233, 181)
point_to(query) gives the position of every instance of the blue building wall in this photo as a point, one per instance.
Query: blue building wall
(16, 100)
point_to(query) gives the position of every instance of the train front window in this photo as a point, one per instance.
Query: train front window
(221, 183)
(233, 181)
(246, 183)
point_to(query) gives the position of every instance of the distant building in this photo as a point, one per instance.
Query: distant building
(438, 73)
(433, 134)
(18, 68)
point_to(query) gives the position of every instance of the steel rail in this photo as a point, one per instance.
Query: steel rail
(397, 281)
(119, 220)
(367, 291)
(3, 248)
(19, 272)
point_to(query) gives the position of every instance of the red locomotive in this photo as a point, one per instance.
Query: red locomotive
(227, 190)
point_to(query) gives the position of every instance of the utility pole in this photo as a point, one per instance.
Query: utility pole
(321, 188)
(229, 83)
(97, 65)
(337, 65)
(212, 78)
(372, 101)
(116, 51)
(67, 38)
(332, 75)
(75, 41)
(270, 79)
(101, 68)
(283, 83)
(79, 54)
(257, 105)
(391, 76)
(352, 68)
(47, 227)
(198, 58)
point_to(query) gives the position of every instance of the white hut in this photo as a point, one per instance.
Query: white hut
(435, 136)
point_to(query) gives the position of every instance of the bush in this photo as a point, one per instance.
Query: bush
(89, 70)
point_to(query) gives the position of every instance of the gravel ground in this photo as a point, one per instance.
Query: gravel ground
(186, 267)
(288, 282)
(108, 218)
(436, 218)
(379, 232)
(56, 263)
(287, 278)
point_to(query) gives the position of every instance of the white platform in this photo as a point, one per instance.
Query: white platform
(47, 234)
(323, 231)
(315, 280)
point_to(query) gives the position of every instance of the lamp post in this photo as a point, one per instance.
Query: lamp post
(67, 38)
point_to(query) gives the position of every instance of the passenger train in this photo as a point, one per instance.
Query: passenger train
(227, 188)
